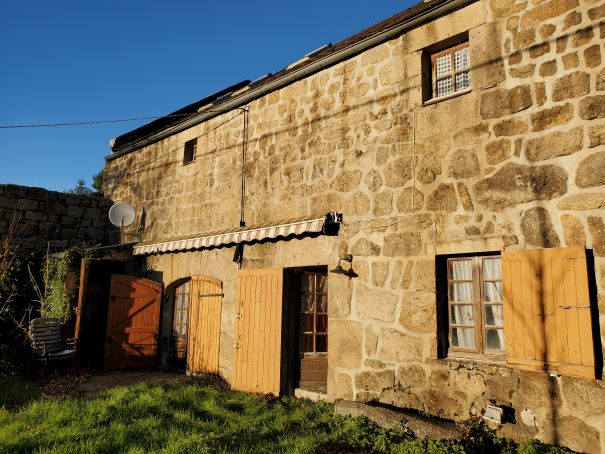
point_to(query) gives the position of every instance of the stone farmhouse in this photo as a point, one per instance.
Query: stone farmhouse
(456, 151)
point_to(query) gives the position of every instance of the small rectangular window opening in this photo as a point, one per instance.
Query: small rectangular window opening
(189, 153)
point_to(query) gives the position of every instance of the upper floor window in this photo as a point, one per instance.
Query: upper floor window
(450, 70)
(189, 153)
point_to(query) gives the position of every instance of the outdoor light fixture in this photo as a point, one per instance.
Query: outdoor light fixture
(340, 270)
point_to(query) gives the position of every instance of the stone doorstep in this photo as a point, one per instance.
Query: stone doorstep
(422, 426)
(315, 396)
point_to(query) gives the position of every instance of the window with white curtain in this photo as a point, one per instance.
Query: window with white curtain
(475, 311)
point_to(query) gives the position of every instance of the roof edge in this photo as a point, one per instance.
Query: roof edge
(432, 12)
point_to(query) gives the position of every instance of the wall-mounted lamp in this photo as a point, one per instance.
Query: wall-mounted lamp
(340, 270)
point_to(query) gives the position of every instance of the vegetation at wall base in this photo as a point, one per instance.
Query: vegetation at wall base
(203, 416)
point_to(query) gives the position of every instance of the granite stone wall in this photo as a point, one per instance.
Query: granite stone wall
(62, 220)
(516, 163)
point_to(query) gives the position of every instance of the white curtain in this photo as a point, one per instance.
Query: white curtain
(462, 270)
(492, 292)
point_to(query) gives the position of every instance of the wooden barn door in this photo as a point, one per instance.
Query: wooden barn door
(132, 322)
(258, 330)
(204, 329)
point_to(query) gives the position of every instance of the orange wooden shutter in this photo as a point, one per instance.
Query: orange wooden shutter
(258, 316)
(547, 322)
(204, 325)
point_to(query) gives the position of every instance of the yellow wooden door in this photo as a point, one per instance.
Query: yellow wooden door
(204, 325)
(258, 329)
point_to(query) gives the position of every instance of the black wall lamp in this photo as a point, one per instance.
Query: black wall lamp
(340, 270)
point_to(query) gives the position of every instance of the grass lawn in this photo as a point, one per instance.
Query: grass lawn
(203, 416)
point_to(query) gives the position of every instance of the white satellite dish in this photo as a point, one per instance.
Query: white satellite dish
(121, 214)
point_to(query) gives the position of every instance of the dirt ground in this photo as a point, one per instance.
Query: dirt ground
(106, 379)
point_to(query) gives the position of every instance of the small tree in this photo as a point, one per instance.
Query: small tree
(97, 181)
(80, 188)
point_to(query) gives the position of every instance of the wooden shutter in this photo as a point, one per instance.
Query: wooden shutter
(257, 352)
(547, 322)
(204, 325)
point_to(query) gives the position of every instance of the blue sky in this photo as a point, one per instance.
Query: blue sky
(65, 61)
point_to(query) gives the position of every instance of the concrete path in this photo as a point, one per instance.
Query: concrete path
(106, 379)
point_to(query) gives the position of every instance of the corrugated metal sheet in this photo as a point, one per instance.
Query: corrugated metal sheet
(241, 235)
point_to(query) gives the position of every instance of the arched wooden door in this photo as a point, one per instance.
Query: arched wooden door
(132, 322)
(204, 325)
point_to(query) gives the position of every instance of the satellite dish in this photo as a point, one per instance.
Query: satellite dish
(121, 214)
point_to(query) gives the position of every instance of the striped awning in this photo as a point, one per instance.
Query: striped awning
(240, 235)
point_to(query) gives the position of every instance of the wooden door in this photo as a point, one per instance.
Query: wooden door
(258, 331)
(204, 325)
(132, 322)
(91, 313)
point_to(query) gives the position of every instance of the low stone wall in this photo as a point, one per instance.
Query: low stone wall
(61, 219)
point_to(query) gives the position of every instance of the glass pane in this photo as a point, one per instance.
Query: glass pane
(308, 303)
(492, 268)
(322, 323)
(322, 343)
(444, 86)
(494, 316)
(463, 337)
(492, 291)
(461, 292)
(461, 270)
(306, 344)
(322, 304)
(185, 287)
(307, 283)
(321, 283)
(463, 81)
(184, 318)
(462, 315)
(185, 301)
(306, 323)
(461, 58)
(494, 339)
(443, 65)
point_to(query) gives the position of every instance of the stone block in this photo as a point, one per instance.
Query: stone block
(365, 247)
(404, 201)
(465, 196)
(27, 204)
(418, 312)
(591, 171)
(572, 19)
(501, 102)
(429, 168)
(35, 216)
(510, 127)
(498, 151)
(582, 37)
(472, 135)
(403, 244)
(538, 229)
(392, 72)
(556, 143)
(443, 198)
(524, 38)
(592, 56)
(340, 386)
(341, 292)
(346, 181)
(398, 172)
(540, 92)
(601, 80)
(539, 49)
(570, 60)
(573, 231)
(396, 346)
(572, 85)
(375, 55)
(596, 12)
(370, 340)
(345, 344)
(592, 107)
(584, 201)
(357, 204)
(596, 135)
(486, 55)
(597, 232)
(522, 72)
(374, 380)
(380, 273)
(464, 164)
(546, 11)
(516, 183)
(383, 203)
(555, 116)
(373, 180)
(375, 304)
(548, 68)
(547, 30)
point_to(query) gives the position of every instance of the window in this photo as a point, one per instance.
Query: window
(475, 307)
(314, 313)
(450, 70)
(189, 153)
